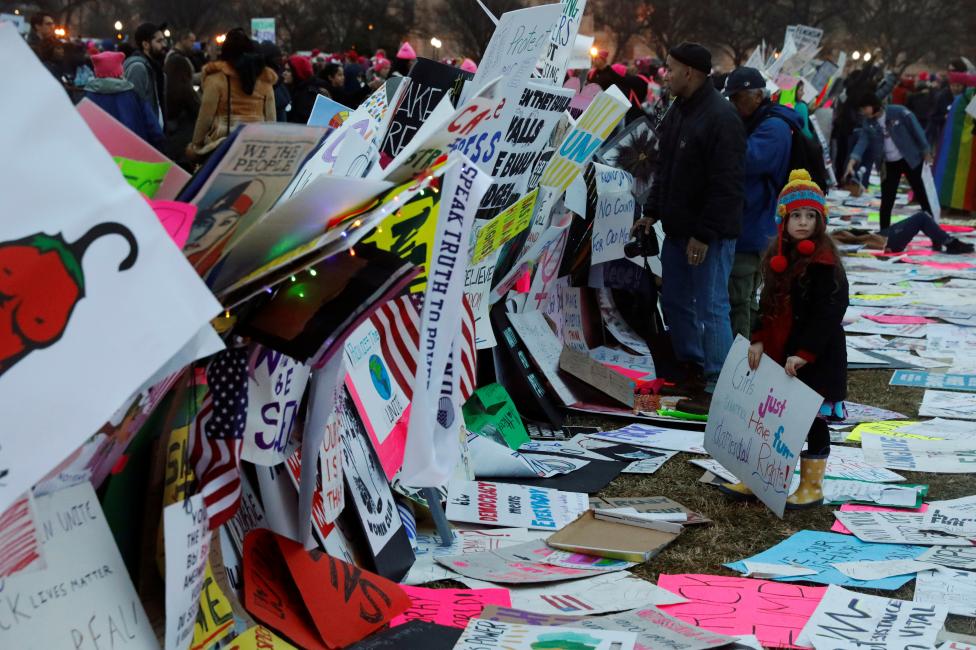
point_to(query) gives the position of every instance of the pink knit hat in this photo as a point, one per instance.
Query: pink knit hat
(380, 63)
(406, 52)
(469, 66)
(108, 64)
(620, 69)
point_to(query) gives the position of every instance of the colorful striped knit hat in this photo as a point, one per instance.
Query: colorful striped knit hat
(800, 192)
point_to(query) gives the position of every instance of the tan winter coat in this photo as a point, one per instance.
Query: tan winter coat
(212, 122)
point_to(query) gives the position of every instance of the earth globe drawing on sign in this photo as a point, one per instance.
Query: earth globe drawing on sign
(380, 377)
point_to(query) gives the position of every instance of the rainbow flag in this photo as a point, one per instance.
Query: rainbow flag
(955, 168)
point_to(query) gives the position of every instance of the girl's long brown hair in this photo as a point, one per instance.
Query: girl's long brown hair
(776, 286)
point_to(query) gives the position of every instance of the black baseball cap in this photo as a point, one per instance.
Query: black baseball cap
(743, 79)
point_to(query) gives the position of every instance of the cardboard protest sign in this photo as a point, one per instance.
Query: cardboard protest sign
(428, 83)
(215, 620)
(960, 557)
(545, 349)
(515, 45)
(259, 638)
(382, 400)
(925, 379)
(490, 412)
(600, 594)
(328, 112)
(518, 146)
(954, 589)
(591, 131)
(614, 213)
(315, 600)
(414, 634)
(292, 223)
(773, 611)
(645, 435)
(87, 595)
(758, 422)
(145, 177)
(509, 223)
(595, 374)
(20, 544)
(554, 60)
(847, 619)
(502, 504)
(446, 371)
(895, 528)
(73, 257)
(120, 142)
(654, 628)
(617, 540)
(849, 463)
(819, 551)
(255, 170)
(518, 564)
(451, 607)
(187, 537)
(176, 217)
(944, 456)
(482, 634)
(425, 569)
(947, 520)
(275, 385)
(371, 496)
(946, 404)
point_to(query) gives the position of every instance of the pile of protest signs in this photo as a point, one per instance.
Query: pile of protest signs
(274, 403)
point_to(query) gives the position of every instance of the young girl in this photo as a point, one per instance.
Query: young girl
(803, 301)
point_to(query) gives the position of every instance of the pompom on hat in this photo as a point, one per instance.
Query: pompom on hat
(406, 52)
(469, 66)
(800, 192)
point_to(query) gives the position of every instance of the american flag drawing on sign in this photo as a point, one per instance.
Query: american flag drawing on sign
(469, 352)
(398, 322)
(19, 546)
(227, 379)
(217, 465)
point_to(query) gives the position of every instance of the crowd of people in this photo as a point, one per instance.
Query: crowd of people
(716, 193)
(184, 101)
(726, 147)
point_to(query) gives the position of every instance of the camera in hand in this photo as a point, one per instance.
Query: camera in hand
(644, 244)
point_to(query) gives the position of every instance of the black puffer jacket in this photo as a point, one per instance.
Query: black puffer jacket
(698, 188)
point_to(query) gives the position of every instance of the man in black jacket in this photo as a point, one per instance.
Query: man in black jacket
(697, 194)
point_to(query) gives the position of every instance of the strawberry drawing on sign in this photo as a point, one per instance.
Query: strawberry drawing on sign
(41, 281)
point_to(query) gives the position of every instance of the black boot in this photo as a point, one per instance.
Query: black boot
(956, 247)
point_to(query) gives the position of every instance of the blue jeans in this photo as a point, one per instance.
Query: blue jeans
(902, 233)
(696, 302)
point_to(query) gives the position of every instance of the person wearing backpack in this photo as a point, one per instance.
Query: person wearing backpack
(770, 130)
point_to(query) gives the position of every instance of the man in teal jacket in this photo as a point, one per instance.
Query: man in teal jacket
(893, 137)
(769, 129)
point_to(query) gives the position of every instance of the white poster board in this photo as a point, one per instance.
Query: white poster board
(514, 506)
(84, 596)
(100, 297)
(758, 422)
(847, 619)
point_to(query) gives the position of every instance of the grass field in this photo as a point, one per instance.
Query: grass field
(741, 529)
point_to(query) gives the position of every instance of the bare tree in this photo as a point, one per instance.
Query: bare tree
(674, 21)
(470, 28)
(738, 27)
(623, 20)
(908, 31)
